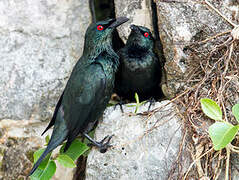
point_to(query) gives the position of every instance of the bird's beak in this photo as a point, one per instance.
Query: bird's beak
(134, 28)
(118, 21)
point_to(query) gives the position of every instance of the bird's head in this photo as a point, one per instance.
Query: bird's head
(140, 37)
(98, 36)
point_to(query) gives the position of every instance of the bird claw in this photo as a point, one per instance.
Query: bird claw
(151, 102)
(101, 145)
(104, 146)
(101, 142)
(120, 103)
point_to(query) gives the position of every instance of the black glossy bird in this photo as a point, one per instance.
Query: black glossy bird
(139, 69)
(88, 89)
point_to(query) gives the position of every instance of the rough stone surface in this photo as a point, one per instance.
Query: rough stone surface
(16, 158)
(40, 42)
(18, 141)
(138, 12)
(143, 148)
(183, 23)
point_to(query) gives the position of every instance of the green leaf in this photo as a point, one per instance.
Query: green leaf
(136, 98)
(45, 174)
(136, 109)
(76, 149)
(47, 138)
(131, 105)
(143, 102)
(222, 133)
(66, 161)
(137, 103)
(36, 156)
(211, 109)
(235, 111)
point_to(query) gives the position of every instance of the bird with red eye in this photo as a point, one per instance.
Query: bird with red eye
(100, 27)
(139, 69)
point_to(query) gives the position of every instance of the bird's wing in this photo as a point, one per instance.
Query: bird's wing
(84, 91)
(52, 122)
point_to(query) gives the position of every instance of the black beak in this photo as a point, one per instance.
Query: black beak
(118, 22)
(134, 28)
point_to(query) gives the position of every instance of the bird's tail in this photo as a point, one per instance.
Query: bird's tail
(40, 160)
(59, 134)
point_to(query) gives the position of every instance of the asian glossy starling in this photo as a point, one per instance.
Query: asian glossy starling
(139, 69)
(88, 89)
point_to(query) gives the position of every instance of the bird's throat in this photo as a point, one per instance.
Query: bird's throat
(136, 51)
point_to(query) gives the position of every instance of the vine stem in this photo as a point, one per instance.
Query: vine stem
(185, 176)
(227, 163)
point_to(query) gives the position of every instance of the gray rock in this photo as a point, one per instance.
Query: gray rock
(181, 23)
(138, 12)
(143, 148)
(18, 141)
(40, 42)
(16, 162)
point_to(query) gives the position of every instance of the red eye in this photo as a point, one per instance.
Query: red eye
(146, 34)
(100, 27)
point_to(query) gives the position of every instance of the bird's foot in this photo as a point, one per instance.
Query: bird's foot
(103, 145)
(120, 103)
(151, 102)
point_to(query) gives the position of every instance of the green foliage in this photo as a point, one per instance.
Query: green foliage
(45, 174)
(235, 111)
(66, 161)
(47, 139)
(211, 109)
(47, 168)
(138, 103)
(76, 149)
(36, 156)
(222, 133)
